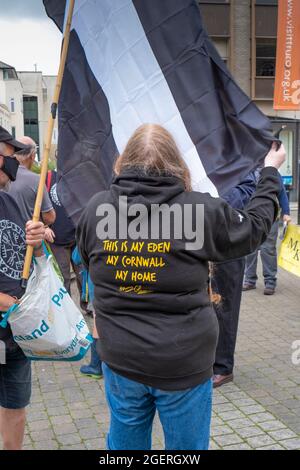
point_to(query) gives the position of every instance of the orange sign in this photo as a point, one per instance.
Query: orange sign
(287, 79)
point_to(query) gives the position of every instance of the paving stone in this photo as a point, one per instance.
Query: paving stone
(61, 419)
(39, 425)
(272, 425)
(261, 417)
(85, 423)
(220, 430)
(90, 433)
(252, 409)
(46, 445)
(213, 445)
(57, 411)
(236, 424)
(242, 446)
(291, 444)
(271, 447)
(44, 435)
(229, 415)
(36, 415)
(260, 441)
(250, 431)
(69, 439)
(98, 444)
(228, 439)
(68, 428)
(282, 434)
(217, 421)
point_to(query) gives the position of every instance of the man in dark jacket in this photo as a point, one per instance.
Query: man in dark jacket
(227, 281)
(268, 252)
(62, 239)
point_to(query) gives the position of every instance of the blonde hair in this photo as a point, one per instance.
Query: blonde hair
(152, 149)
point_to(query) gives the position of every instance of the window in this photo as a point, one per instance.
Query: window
(264, 39)
(266, 2)
(9, 74)
(214, 1)
(265, 57)
(13, 132)
(31, 119)
(12, 105)
(222, 46)
(286, 169)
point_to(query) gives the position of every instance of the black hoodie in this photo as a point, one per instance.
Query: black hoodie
(153, 312)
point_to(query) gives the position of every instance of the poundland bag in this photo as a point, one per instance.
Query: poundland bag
(47, 324)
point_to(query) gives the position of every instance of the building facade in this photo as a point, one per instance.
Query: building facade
(25, 103)
(245, 34)
(11, 100)
(38, 90)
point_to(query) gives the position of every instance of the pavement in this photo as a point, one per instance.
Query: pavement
(259, 410)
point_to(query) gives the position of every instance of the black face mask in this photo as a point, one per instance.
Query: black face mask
(10, 167)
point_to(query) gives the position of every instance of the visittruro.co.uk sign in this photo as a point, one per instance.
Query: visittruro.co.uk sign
(287, 77)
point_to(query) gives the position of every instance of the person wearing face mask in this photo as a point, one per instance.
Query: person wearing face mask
(15, 233)
(24, 189)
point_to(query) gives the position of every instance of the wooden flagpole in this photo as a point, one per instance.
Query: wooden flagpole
(47, 146)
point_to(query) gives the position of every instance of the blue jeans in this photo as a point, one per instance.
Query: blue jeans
(185, 415)
(268, 255)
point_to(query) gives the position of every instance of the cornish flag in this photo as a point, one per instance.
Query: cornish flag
(149, 61)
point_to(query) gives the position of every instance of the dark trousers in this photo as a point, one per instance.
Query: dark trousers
(63, 256)
(268, 254)
(228, 282)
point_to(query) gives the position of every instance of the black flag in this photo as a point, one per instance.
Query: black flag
(137, 61)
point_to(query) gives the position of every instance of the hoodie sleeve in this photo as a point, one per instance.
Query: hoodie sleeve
(230, 233)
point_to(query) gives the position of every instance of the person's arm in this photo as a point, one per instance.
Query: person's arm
(35, 234)
(284, 204)
(49, 217)
(48, 214)
(6, 301)
(239, 196)
(229, 233)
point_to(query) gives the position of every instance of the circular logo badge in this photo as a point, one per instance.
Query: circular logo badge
(54, 196)
(12, 249)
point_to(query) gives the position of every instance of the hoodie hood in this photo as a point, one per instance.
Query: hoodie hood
(145, 189)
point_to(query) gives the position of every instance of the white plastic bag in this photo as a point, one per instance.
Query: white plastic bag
(47, 324)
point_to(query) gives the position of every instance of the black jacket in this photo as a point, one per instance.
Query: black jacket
(156, 322)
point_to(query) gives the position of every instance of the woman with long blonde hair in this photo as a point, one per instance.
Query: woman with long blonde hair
(147, 243)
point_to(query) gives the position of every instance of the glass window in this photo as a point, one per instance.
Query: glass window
(214, 1)
(222, 47)
(31, 120)
(286, 170)
(266, 2)
(12, 105)
(13, 132)
(9, 74)
(265, 57)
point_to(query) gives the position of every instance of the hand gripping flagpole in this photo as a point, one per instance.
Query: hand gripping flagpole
(47, 146)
